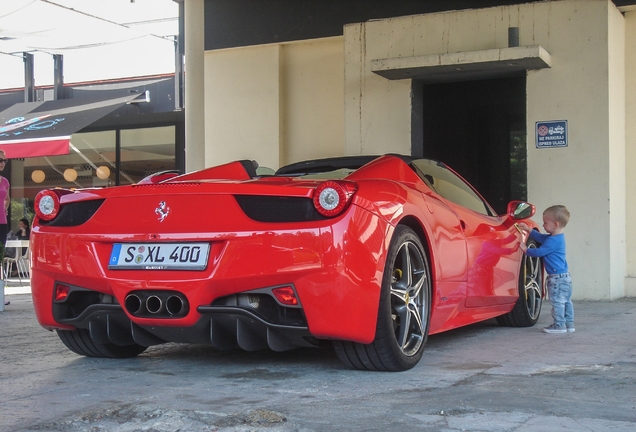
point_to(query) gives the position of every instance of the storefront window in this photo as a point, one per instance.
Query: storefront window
(92, 162)
(146, 151)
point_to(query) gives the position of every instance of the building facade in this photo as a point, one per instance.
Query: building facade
(527, 100)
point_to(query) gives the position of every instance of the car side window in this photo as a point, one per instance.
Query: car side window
(451, 187)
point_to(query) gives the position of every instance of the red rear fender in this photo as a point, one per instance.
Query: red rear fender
(386, 167)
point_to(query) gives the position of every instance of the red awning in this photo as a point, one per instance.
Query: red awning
(32, 129)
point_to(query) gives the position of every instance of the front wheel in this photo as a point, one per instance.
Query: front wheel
(80, 342)
(403, 314)
(528, 307)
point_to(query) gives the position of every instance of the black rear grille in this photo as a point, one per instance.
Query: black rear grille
(78, 301)
(278, 209)
(266, 307)
(73, 214)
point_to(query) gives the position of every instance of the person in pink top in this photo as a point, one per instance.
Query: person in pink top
(5, 200)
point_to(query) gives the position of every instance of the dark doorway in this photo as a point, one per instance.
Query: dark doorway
(478, 128)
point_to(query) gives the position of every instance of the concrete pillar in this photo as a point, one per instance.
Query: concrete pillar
(58, 77)
(29, 78)
(630, 150)
(194, 85)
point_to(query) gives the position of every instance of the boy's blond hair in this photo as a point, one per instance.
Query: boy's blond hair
(560, 214)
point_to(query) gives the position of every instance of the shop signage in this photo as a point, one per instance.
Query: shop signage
(552, 134)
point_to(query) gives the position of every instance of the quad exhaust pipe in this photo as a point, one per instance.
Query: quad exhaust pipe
(174, 305)
(156, 304)
(133, 304)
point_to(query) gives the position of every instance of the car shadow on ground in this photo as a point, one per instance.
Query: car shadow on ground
(158, 358)
(323, 357)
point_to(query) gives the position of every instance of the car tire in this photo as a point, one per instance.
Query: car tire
(80, 342)
(528, 307)
(403, 314)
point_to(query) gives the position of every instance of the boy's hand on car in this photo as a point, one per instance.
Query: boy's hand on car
(523, 226)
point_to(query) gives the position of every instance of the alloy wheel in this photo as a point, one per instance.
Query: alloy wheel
(409, 288)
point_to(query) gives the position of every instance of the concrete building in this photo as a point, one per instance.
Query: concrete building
(532, 100)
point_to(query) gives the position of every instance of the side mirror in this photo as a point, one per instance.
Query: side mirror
(520, 210)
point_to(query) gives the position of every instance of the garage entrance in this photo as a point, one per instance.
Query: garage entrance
(479, 129)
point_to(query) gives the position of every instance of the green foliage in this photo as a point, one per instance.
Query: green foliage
(18, 211)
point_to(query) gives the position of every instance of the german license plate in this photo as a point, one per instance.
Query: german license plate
(159, 256)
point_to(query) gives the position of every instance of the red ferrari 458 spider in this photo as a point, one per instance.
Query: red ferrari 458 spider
(370, 254)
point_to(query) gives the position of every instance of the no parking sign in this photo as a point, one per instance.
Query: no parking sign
(552, 134)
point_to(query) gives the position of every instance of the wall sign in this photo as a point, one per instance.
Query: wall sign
(552, 134)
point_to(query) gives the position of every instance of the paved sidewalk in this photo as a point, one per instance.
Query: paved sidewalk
(17, 289)
(13, 288)
(480, 378)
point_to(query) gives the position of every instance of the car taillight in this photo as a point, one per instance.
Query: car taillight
(286, 295)
(61, 292)
(47, 204)
(332, 197)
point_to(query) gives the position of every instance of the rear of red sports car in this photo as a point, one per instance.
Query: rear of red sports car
(371, 253)
(216, 257)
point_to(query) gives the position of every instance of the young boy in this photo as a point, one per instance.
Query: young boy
(552, 250)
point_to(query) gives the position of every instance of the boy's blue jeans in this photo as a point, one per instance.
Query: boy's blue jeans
(560, 292)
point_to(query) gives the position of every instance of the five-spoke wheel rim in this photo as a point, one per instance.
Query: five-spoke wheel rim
(409, 298)
(532, 273)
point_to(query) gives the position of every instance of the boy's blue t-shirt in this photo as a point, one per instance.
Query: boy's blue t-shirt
(552, 249)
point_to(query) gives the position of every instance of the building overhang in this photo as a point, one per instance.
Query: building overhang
(461, 66)
(32, 129)
(625, 6)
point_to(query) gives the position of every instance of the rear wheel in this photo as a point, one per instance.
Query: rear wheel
(80, 342)
(528, 307)
(404, 310)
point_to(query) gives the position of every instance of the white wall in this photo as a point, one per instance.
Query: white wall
(617, 164)
(276, 104)
(377, 111)
(630, 149)
(283, 103)
(242, 111)
(313, 92)
(584, 86)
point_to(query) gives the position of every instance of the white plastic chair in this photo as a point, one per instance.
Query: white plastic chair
(21, 260)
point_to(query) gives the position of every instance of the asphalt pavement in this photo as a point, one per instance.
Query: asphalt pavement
(480, 378)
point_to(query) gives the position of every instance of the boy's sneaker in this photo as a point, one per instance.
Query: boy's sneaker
(569, 327)
(553, 328)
